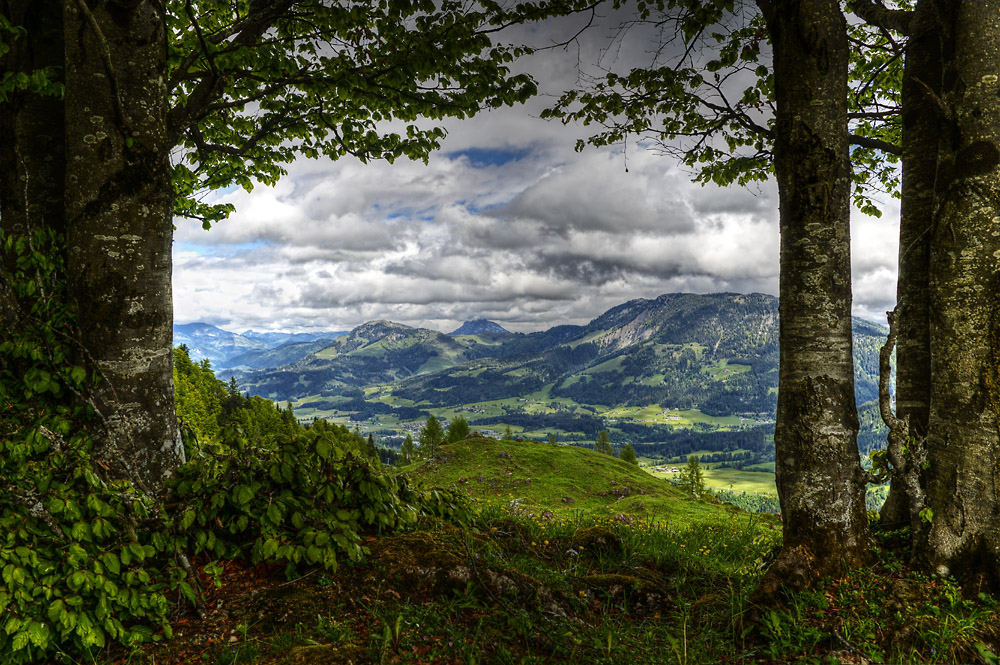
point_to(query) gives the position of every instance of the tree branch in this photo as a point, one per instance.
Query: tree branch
(877, 14)
(875, 144)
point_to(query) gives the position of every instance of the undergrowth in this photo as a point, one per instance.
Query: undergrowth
(86, 560)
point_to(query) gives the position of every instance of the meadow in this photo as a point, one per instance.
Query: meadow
(629, 571)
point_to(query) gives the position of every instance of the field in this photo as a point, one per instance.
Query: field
(537, 403)
(759, 482)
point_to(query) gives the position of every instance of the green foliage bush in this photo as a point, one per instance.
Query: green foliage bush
(304, 502)
(86, 561)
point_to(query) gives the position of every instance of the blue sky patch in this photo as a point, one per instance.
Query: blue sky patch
(218, 250)
(481, 158)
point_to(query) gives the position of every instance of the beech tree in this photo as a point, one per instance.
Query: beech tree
(922, 88)
(944, 442)
(962, 444)
(791, 120)
(97, 96)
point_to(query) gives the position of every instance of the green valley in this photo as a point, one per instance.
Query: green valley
(672, 375)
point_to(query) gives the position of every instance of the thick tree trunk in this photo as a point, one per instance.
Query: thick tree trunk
(820, 481)
(963, 444)
(32, 139)
(921, 132)
(119, 227)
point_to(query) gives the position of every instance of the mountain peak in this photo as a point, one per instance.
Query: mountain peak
(479, 326)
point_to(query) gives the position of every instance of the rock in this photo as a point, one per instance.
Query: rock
(417, 563)
(598, 540)
(327, 654)
(638, 595)
(568, 499)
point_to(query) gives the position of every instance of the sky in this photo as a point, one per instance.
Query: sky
(506, 222)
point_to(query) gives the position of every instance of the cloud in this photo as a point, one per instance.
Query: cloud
(505, 222)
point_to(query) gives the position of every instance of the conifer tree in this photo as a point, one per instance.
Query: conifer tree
(408, 451)
(628, 455)
(604, 443)
(692, 480)
(458, 430)
(431, 436)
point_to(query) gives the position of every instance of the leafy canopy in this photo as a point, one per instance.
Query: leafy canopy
(253, 85)
(706, 96)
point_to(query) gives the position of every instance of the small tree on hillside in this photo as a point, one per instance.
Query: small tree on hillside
(458, 430)
(552, 438)
(431, 436)
(628, 455)
(408, 450)
(692, 480)
(604, 443)
(508, 435)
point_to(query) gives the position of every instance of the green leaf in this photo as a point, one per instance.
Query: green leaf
(20, 641)
(137, 551)
(111, 562)
(188, 592)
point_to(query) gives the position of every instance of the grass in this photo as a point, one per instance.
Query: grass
(531, 579)
(541, 477)
(760, 482)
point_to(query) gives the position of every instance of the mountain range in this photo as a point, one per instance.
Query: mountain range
(700, 371)
(249, 350)
(712, 358)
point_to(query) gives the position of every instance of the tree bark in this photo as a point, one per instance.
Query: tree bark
(921, 130)
(818, 473)
(963, 443)
(32, 140)
(119, 207)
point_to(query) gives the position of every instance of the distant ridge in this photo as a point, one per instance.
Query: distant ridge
(478, 327)
(251, 349)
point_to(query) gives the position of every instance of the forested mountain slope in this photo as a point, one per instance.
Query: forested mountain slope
(717, 353)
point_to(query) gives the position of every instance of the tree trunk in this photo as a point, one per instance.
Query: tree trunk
(32, 139)
(119, 228)
(963, 444)
(920, 135)
(820, 482)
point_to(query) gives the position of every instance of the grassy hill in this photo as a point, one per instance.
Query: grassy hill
(540, 477)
